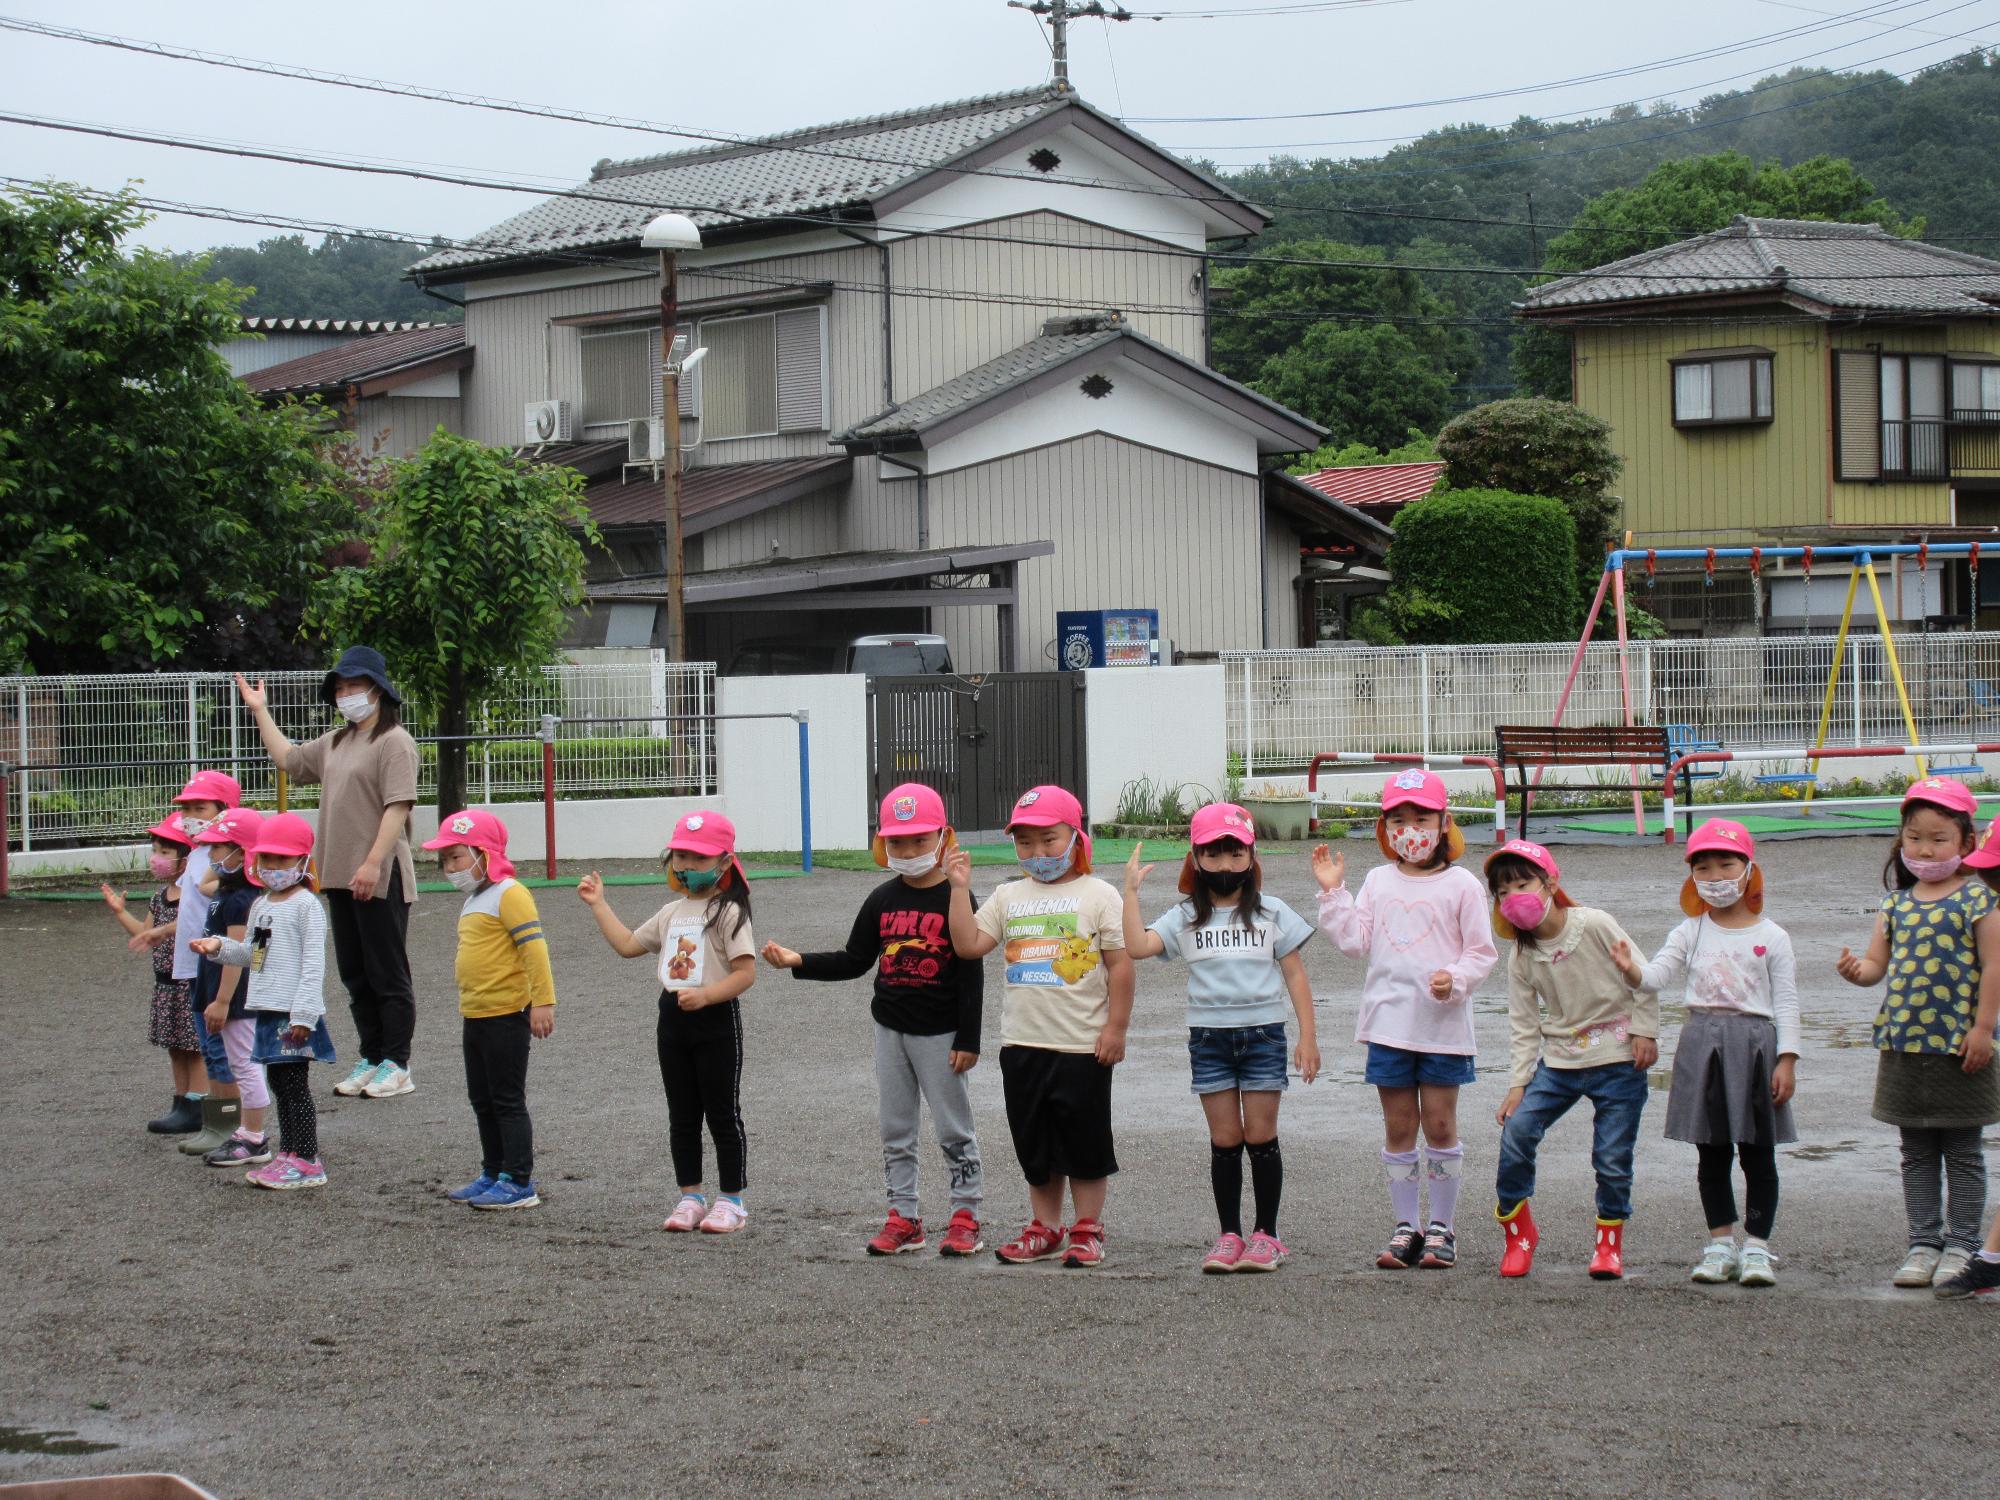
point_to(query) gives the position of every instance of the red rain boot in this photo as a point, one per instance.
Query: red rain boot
(1522, 1237)
(1608, 1264)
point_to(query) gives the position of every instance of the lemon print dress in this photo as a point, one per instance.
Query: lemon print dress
(1927, 1010)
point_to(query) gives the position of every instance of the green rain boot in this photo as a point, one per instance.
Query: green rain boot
(219, 1118)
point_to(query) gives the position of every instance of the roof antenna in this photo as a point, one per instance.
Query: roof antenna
(1060, 14)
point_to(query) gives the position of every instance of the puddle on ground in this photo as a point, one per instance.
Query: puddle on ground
(58, 1441)
(1822, 1153)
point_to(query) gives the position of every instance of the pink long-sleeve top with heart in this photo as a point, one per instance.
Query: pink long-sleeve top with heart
(1408, 927)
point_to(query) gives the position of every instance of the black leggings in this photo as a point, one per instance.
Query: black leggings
(701, 1068)
(496, 1080)
(371, 950)
(298, 1120)
(1760, 1184)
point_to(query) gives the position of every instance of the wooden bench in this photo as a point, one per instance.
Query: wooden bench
(1536, 747)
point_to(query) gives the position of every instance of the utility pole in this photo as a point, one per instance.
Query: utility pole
(1060, 14)
(669, 234)
(1534, 240)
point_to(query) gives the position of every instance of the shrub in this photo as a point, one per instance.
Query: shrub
(1503, 564)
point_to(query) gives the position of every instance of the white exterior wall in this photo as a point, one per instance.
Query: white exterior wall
(759, 764)
(1166, 723)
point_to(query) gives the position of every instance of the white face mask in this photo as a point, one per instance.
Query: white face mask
(1413, 843)
(467, 880)
(917, 865)
(354, 707)
(280, 880)
(193, 826)
(1719, 894)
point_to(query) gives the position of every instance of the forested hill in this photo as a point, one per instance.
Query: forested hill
(343, 276)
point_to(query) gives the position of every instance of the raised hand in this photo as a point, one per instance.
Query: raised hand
(254, 698)
(958, 869)
(1136, 873)
(111, 898)
(591, 888)
(1329, 868)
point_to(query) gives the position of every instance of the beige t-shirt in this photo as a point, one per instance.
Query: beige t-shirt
(361, 775)
(692, 953)
(1567, 1004)
(1052, 940)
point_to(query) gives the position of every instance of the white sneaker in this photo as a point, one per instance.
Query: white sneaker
(358, 1078)
(725, 1217)
(1951, 1263)
(1919, 1267)
(1719, 1263)
(686, 1215)
(1759, 1267)
(389, 1081)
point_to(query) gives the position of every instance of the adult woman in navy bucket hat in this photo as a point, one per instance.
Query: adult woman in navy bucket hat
(367, 770)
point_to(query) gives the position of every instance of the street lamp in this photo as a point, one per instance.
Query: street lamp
(670, 234)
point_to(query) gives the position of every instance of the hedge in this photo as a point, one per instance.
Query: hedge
(1505, 564)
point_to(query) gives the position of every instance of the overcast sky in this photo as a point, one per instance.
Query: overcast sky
(749, 66)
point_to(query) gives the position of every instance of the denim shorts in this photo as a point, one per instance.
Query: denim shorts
(1249, 1058)
(214, 1057)
(1400, 1068)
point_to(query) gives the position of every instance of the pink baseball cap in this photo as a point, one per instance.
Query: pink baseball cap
(286, 835)
(240, 826)
(1942, 791)
(1721, 835)
(1050, 807)
(1415, 785)
(1222, 820)
(704, 831)
(909, 809)
(476, 829)
(212, 786)
(169, 831)
(1535, 855)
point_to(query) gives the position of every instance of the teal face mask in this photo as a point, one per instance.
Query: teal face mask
(698, 881)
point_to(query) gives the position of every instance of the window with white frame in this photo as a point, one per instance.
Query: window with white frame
(621, 373)
(765, 373)
(1720, 387)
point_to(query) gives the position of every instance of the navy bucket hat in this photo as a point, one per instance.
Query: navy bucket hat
(357, 662)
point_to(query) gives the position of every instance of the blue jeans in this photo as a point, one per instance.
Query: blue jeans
(213, 1057)
(1617, 1090)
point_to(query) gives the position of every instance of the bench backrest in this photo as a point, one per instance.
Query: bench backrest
(1538, 744)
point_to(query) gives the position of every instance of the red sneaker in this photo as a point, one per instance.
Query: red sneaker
(1608, 1264)
(1522, 1237)
(1086, 1245)
(898, 1235)
(961, 1237)
(1037, 1242)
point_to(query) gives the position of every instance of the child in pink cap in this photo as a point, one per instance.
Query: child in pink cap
(171, 1024)
(1063, 1017)
(284, 948)
(708, 958)
(1244, 972)
(205, 798)
(221, 997)
(1937, 946)
(1738, 1049)
(927, 1007)
(1421, 923)
(506, 994)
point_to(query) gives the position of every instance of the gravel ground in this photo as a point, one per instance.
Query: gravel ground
(372, 1338)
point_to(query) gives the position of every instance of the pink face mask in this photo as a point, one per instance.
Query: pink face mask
(1933, 869)
(162, 865)
(1524, 910)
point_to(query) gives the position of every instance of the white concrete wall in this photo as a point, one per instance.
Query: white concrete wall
(758, 760)
(1166, 723)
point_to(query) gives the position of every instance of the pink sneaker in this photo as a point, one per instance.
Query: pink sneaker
(725, 1216)
(285, 1172)
(686, 1215)
(1265, 1253)
(1223, 1255)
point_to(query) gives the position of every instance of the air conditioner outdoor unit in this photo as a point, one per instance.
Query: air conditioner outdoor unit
(547, 422)
(645, 441)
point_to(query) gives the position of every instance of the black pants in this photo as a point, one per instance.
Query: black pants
(1760, 1184)
(496, 1080)
(298, 1120)
(371, 950)
(701, 1068)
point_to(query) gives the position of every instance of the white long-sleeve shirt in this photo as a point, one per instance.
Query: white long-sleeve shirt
(1408, 927)
(1749, 969)
(284, 949)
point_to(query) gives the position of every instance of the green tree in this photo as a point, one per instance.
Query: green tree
(151, 512)
(1364, 383)
(1533, 446)
(1448, 590)
(1415, 448)
(343, 276)
(474, 562)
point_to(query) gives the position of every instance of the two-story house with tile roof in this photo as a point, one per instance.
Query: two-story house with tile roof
(953, 379)
(1795, 381)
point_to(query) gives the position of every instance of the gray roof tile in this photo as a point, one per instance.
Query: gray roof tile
(1846, 268)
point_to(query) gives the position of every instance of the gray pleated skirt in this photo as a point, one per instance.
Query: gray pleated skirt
(1932, 1091)
(1721, 1091)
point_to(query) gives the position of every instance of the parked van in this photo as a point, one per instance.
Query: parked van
(903, 654)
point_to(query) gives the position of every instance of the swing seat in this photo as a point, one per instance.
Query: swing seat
(1787, 778)
(1972, 770)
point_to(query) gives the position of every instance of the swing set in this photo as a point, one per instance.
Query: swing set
(1861, 560)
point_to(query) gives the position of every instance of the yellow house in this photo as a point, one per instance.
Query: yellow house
(1796, 382)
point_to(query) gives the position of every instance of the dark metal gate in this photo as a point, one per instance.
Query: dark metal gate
(980, 741)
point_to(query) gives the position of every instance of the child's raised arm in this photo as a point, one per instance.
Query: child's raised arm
(968, 938)
(616, 933)
(1348, 921)
(1872, 965)
(1140, 940)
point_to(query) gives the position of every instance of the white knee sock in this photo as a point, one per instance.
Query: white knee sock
(1401, 1167)
(1443, 1164)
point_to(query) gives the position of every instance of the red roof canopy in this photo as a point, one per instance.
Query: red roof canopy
(1376, 484)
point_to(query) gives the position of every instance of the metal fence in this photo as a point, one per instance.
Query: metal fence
(100, 755)
(1764, 692)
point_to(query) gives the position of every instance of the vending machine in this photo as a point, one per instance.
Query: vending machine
(1107, 638)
